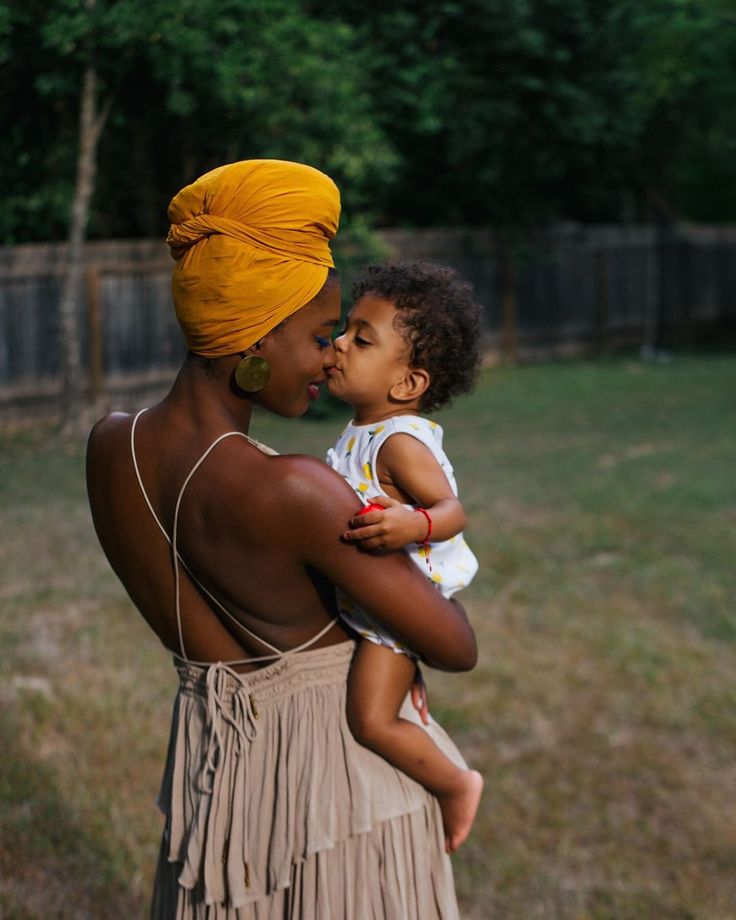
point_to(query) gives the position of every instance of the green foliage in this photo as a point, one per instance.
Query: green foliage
(512, 113)
(193, 85)
(503, 112)
(5, 32)
(686, 63)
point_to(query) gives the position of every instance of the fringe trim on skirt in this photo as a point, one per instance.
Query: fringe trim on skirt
(273, 810)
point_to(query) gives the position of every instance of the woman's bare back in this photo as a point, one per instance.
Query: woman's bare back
(261, 533)
(233, 535)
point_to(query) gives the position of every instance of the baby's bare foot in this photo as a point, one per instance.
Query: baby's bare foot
(459, 808)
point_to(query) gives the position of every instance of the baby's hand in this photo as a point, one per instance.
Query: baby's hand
(386, 524)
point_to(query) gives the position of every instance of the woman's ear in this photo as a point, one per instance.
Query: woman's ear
(412, 385)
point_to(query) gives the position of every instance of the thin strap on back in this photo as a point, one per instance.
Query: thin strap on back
(177, 560)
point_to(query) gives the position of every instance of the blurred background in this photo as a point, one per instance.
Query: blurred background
(576, 160)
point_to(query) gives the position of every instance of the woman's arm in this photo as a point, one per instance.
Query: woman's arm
(389, 587)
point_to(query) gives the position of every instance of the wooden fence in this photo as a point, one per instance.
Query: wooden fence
(129, 336)
(557, 292)
(577, 288)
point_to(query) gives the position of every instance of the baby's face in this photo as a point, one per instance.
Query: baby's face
(370, 355)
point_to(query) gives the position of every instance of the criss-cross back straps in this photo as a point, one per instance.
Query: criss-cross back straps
(177, 560)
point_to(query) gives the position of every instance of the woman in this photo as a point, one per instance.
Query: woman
(231, 553)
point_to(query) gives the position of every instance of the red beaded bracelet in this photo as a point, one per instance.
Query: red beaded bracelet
(425, 541)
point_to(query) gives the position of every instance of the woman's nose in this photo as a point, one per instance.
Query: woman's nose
(339, 343)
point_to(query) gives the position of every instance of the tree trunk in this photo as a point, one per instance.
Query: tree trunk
(91, 123)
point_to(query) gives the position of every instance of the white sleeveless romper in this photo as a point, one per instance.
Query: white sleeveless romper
(453, 565)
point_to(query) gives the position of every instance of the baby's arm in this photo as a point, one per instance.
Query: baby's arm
(408, 469)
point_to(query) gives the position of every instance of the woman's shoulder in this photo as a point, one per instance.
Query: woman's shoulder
(306, 484)
(107, 434)
(290, 503)
(109, 423)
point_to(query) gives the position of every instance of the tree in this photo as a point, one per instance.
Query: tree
(92, 117)
(487, 111)
(516, 113)
(227, 79)
(686, 96)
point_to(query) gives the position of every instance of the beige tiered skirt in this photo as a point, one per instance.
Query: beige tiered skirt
(274, 812)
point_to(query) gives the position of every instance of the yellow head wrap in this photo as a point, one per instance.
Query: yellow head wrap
(251, 243)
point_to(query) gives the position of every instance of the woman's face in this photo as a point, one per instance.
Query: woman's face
(298, 352)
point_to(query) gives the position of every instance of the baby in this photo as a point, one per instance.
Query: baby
(411, 343)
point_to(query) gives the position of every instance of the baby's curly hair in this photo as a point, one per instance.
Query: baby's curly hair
(440, 319)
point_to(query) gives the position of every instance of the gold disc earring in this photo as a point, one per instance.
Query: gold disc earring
(252, 373)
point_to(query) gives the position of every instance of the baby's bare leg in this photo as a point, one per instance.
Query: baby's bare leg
(378, 682)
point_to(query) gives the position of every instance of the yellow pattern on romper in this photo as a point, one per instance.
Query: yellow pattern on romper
(453, 565)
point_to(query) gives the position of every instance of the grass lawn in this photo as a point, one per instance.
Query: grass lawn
(602, 501)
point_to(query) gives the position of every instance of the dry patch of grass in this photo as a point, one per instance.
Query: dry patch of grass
(602, 713)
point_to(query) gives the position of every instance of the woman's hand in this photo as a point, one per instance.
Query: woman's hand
(392, 528)
(419, 696)
(313, 504)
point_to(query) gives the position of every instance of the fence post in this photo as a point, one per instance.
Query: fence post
(94, 337)
(509, 345)
(603, 299)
